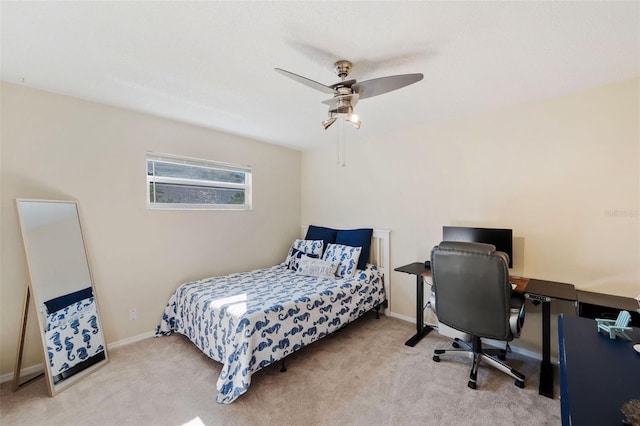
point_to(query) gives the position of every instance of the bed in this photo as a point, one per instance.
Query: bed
(250, 320)
(72, 333)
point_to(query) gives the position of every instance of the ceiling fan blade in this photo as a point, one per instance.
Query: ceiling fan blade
(378, 86)
(308, 82)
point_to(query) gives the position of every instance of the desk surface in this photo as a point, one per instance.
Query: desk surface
(602, 299)
(415, 268)
(552, 289)
(597, 374)
(418, 268)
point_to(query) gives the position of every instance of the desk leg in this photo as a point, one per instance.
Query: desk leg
(421, 329)
(546, 368)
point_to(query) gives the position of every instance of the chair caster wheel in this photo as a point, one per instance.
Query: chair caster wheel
(436, 358)
(472, 385)
(520, 384)
(455, 345)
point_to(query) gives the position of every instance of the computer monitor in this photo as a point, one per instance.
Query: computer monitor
(501, 238)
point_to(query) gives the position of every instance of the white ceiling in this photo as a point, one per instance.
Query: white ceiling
(212, 63)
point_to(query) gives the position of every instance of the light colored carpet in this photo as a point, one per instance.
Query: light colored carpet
(362, 375)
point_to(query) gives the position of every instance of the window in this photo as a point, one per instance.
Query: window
(189, 183)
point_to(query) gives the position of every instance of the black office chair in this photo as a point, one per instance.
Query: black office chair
(473, 295)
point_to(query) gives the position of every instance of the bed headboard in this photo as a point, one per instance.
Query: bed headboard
(379, 256)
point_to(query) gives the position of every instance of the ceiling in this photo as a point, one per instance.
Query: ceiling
(212, 63)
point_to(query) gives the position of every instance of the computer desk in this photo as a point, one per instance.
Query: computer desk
(420, 271)
(538, 291)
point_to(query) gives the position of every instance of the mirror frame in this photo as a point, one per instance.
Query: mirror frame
(32, 294)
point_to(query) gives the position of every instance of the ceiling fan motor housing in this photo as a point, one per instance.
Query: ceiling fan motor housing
(343, 68)
(343, 107)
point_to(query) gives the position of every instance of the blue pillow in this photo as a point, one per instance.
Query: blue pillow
(62, 302)
(357, 238)
(328, 235)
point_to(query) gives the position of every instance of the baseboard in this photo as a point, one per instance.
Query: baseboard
(406, 318)
(27, 371)
(130, 340)
(40, 367)
(402, 317)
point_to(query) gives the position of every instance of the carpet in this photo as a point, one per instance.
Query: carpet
(361, 375)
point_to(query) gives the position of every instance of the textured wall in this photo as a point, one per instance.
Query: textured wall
(56, 147)
(562, 172)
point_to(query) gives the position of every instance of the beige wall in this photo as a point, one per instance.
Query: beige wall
(56, 147)
(563, 173)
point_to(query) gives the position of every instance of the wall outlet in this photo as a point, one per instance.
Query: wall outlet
(133, 314)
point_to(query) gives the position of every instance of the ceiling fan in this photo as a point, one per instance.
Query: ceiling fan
(347, 93)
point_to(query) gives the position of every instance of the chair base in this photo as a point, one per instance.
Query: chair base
(475, 352)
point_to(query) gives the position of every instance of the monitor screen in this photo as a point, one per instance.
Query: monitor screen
(501, 238)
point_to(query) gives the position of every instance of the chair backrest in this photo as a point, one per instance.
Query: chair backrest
(472, 288)
(624, 318)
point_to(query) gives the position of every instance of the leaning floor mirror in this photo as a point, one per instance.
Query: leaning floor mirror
(63, 292)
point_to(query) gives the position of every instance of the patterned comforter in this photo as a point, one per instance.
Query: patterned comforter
(72, 335)
(250, 320)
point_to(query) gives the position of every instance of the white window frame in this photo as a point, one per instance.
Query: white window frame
(197, 162)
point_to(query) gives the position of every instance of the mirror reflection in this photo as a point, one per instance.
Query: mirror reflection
(62, 288)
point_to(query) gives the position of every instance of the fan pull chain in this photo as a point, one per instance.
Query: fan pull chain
(344, 149)
(340, 144)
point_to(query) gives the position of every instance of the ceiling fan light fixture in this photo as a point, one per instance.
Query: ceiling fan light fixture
(328, 122)
(354, 120)
(347, 93)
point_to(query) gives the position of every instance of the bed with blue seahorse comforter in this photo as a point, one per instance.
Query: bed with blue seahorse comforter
(72, 335)
(249, 320)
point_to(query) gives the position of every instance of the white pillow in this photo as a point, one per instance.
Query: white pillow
(296, 255)
(316, 268)
(346, 257)
(310, 247)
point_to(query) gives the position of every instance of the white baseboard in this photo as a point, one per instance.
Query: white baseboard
(27, 371)
(130, 340)
(38, 368)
